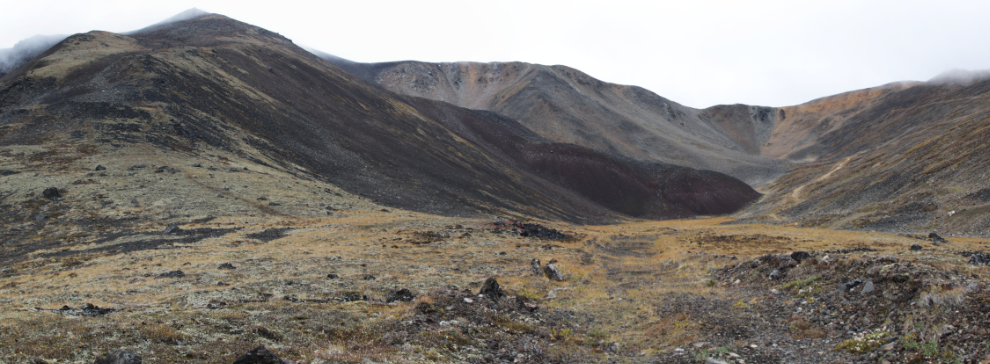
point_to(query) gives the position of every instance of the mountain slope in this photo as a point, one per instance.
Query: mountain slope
(902, 157)
(215, 85)
(566, 105)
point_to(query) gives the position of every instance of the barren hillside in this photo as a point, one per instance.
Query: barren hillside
(567, 105)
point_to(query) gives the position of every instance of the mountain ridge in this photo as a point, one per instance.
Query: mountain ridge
(240, 89)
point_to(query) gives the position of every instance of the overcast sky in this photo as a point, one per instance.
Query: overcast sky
(697, 53)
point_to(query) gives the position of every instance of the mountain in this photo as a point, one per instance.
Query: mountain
(213, 86)
(800, 156)
(567, 105)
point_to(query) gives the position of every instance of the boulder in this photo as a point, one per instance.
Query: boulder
(51, 193)
(551, 272)
(172, 228)
(172, 274)
(799, 256)
(404, 295)
(260, 355)
(120, 357)
(491, 289)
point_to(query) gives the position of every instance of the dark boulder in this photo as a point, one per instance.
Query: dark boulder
(936, 238)
(51, 193)
(404, 295)
(172, 228)
(100, 168)
(333, 276)
(491, 289)
(260, 355)
(167, 169)
(119, 357)
(916, 247)
(227, 266)
(172, 274)
(799, 256)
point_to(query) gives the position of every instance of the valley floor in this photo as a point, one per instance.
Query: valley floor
(317, 290)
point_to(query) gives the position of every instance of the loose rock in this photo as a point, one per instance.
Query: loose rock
(850, 285)
(980, 259)
(776, 274)
(868, 287)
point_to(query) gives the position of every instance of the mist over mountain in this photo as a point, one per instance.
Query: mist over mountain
(23, 51)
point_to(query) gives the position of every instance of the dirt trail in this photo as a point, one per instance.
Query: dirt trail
(796, 194)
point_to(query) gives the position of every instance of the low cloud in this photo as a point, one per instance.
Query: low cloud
(960, 77)
(183, 16)
(25, 50)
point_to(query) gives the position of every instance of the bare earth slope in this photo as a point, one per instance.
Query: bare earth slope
(239, 90)
(567, 105)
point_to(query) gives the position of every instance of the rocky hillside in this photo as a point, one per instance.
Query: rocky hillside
(567, 105)
(216, 86)
(899, 157)
(902, 157)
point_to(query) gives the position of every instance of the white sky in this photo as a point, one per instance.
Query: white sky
(698, 53)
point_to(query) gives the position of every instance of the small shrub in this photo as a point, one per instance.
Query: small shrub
(161, 333)
(801, 283)
(863, 343)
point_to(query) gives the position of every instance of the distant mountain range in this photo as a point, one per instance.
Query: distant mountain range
(543, 141)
